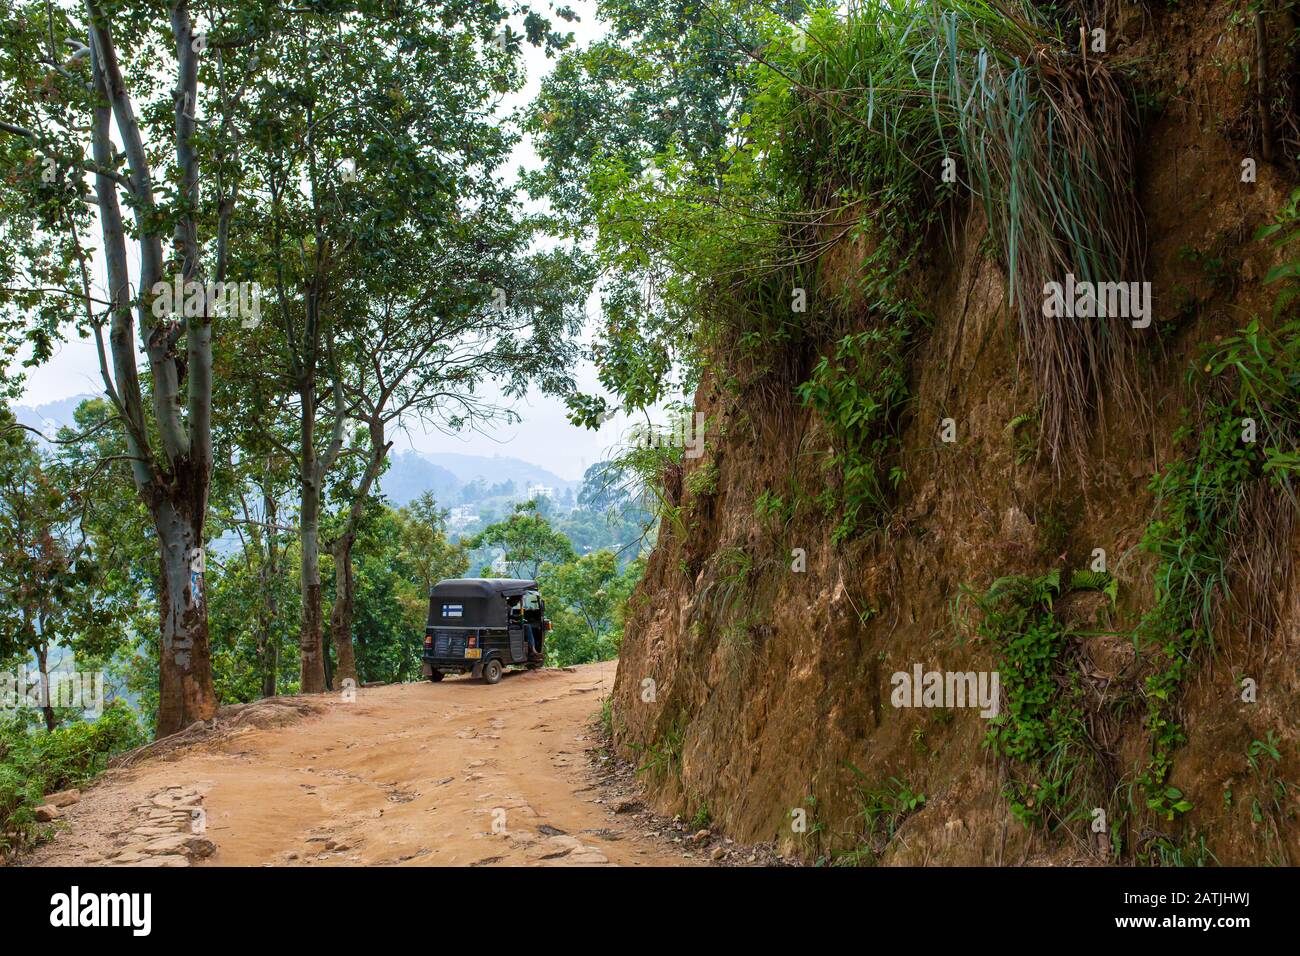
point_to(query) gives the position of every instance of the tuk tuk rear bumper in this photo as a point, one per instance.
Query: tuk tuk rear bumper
(451, 665)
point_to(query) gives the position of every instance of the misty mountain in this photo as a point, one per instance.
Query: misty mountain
(410, 475)
(496, 469)
(48, 418)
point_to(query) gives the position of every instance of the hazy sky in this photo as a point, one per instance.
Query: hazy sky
(544, 437)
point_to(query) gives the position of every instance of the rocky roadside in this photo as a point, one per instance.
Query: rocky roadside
(622, 795)
(52, 808)
(169, 832)
(165, 829)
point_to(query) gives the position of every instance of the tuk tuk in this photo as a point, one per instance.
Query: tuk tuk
(482, 626)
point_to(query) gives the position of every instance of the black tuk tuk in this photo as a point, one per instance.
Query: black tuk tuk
(482, 625)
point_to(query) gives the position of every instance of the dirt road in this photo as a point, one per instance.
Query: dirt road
(455, 773)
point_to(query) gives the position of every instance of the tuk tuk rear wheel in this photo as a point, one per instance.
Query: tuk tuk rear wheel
(492, 671)
(436, 676)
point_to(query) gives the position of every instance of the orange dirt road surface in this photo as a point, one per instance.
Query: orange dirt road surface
(451, 774)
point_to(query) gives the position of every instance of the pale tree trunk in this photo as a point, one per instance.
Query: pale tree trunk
(43, 666)
(312, 665)
(311, 669)
(315, 463)
(173, 480)
(270, 676)
(328, 663)
(315, 466)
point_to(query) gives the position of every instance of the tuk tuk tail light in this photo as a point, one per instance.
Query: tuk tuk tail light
(473, 640)
(428, 640)
(548, 625)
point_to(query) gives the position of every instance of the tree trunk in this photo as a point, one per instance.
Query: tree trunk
(268, 644)
(174, 483)
(344, 604)
(43, 665)
(344, 585)
(311, 637)
(185, 690)
(270, 679)
(268, 649)
(328, 661)
(313, 631)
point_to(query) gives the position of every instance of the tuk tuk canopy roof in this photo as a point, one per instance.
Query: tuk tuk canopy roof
(474, 602)
(481, 587)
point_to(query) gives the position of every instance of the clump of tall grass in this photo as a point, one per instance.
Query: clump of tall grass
(1047, 136)
(867, 105)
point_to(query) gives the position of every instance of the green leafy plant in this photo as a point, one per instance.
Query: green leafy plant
(729, 583)
(703, 481)
(813, 833)
(1041, 730)
(1252, 376)
(858, 391)
(882, 809)
(664, 757)
(1225, 510)
(1024, 439)
(34, 763)
(773, 508)
(1089, 580)
(1270, 805)
(1284, 231)
(1194, 851)
(606, 715)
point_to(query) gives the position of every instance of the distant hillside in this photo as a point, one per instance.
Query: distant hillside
(410, 475)
(48, 418)
(496, 469)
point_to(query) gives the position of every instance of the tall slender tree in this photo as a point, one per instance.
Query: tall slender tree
(74, 83)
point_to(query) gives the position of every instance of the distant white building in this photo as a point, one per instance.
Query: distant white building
(461, 516)
(540, 491)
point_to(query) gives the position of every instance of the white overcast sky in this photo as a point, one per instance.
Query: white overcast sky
(544, 437)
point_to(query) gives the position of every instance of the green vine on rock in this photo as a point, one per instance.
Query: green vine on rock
(1246, 436)
(1042, 729)
(858, 391)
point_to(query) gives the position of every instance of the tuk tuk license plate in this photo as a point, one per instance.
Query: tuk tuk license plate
(473, 652)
